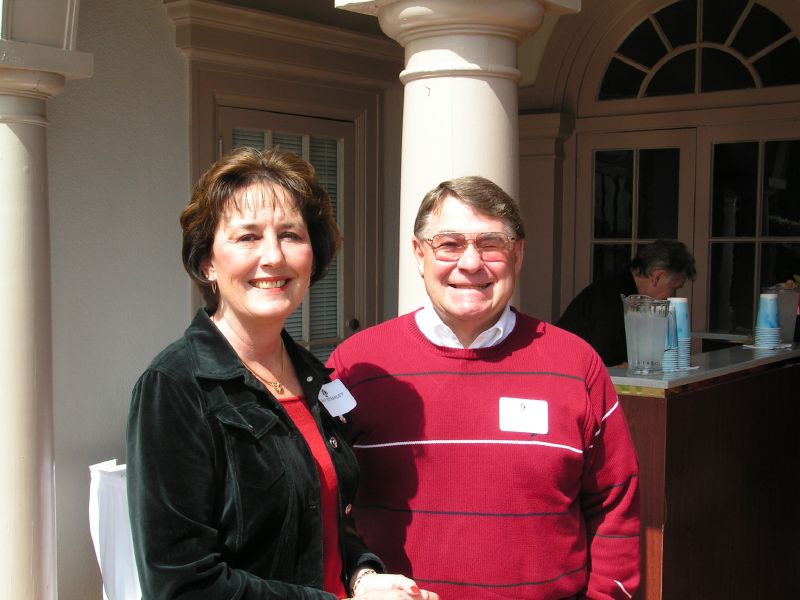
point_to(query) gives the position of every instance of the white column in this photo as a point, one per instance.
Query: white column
(460, 105)
(27, 504)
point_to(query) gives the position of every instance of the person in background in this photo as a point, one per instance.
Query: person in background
(239, 481)
(596, 313)
(496, 459)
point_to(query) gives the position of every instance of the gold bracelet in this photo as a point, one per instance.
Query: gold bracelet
(357, 580)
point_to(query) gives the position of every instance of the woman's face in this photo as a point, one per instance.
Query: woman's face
(261, 259)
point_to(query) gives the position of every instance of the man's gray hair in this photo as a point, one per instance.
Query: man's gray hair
(671, 255)
(482, 195)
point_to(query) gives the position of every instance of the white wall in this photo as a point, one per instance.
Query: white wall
(119, 176)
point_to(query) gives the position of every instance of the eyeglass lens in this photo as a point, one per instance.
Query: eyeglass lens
(491, 245)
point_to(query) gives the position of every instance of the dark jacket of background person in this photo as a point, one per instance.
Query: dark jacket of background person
(596, 315)
(218, 463)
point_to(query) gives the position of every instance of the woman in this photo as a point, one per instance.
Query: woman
(239, 480)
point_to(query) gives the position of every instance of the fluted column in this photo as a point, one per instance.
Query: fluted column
(460, 103)
(29, 75)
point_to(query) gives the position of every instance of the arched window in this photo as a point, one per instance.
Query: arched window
(700, 46)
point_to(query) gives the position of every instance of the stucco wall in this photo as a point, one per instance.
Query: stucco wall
(119, 176)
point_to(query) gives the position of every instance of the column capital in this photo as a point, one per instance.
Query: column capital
(39, 71)
(404, 20)
(39, 85)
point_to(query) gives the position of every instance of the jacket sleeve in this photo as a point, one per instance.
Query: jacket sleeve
(173, 495)
(610, 496)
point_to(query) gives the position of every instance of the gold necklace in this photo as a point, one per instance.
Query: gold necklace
(275, 385)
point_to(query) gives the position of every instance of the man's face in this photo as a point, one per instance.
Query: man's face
(469, 294)
(662, 284)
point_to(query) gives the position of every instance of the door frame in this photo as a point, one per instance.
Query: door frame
(707, 136)
(350, 278)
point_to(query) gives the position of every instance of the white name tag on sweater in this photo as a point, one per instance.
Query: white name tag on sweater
(336, 398)
(523, 416)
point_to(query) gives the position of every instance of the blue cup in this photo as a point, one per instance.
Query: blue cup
(768, 314)
(681, 316)
(671, 339)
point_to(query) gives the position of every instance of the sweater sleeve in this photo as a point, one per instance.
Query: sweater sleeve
(610, 496)
(172, 493)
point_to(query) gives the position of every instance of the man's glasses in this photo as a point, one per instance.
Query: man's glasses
(492, 245)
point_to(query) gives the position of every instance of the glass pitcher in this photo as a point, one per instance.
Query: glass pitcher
(646, 327)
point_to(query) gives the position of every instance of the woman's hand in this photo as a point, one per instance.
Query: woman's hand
(377, 586)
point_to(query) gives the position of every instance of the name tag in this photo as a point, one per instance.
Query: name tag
(523, 416)
(336, 398)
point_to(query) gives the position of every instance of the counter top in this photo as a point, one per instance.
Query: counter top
(707, 365)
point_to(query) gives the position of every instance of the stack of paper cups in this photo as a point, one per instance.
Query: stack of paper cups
(684, 331)
(768, 328)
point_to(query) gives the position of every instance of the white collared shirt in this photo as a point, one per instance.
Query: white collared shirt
(433, 328)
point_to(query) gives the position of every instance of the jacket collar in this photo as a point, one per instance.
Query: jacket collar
(215, 358)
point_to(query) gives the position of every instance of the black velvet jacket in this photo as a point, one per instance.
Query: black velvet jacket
(223, 491)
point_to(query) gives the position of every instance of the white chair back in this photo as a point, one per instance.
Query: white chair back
(111, 531)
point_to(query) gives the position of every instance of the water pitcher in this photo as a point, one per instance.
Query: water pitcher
(646, 321)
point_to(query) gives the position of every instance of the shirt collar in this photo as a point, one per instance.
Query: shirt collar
(433, 328)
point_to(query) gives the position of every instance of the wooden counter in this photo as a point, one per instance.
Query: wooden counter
(719, 457)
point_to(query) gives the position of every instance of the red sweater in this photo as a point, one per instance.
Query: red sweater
(474, 512)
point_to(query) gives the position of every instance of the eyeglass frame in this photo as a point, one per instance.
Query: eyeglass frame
(472, 237)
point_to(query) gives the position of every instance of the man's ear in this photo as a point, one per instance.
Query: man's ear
(656, 275)
(519, 252)
(419, 255)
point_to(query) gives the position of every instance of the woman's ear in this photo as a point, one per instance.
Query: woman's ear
(207, 269)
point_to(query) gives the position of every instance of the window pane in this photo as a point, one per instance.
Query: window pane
(731, 287)
(678, 21)
(322, 352)
(658, 193)
(608, 259)
(719, 17)
(675, 77)
(294, 325)
(249, 138)
(779, 262)
(613, 190)
(721, 71)
(643, 45)
(621, 81)
(780, 67)
(782, 188)
(759, 30)
(324, 295)
(733, 209)
(288, 142)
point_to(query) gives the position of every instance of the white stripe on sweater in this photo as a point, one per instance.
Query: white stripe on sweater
(476, 442)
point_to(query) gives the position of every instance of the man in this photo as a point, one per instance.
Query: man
(495, 458)
(596, 314)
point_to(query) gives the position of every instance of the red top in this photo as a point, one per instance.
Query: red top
(329, 496)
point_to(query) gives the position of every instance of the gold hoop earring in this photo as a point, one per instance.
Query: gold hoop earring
(214, 287)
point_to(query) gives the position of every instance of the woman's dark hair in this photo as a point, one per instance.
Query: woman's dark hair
(482, 195)
(671, 255)
(219, 189)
